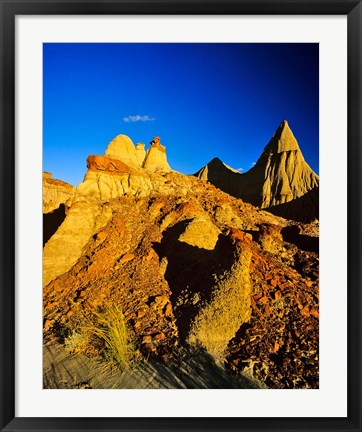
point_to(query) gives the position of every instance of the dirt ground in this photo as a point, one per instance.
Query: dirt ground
(62, 370)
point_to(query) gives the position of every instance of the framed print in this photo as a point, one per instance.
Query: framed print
(180, 215)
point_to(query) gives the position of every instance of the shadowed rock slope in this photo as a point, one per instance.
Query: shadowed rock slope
(281, 175)
(192, 269)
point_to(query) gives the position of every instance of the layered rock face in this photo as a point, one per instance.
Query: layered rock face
(191, 268)
(280, 176)
(55, 193)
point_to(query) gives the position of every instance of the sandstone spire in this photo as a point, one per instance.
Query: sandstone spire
(156, 159)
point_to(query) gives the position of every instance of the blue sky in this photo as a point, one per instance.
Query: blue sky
(203, 100)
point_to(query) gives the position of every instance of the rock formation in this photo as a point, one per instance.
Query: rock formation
(155, 159)
(122, 148)
(280, 176)
(192, 268)
(55, 193)
(117, 173)
(140, 153)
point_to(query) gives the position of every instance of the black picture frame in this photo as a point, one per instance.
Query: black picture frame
(9, 9)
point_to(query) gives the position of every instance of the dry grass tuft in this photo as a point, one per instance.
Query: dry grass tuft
(110, 328)
(106, 332)
(77, 343)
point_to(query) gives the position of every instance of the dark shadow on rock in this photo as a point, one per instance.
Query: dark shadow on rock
(52, 221)
(307, 264)
(304, 209)
(191, 272)
(254, 233)
(291, 234)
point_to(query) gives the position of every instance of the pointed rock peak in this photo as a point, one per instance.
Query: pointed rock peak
(282, 140)
(216, 161)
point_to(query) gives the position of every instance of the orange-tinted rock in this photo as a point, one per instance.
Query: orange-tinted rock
(103, 163)
(238, 235)
(127, 257)
(263, 300)
(159, 337)
(168, 310)
(314, 312)
(141, 313)
(305, 311)
(278, 295)
(101, 236)
(47, 324)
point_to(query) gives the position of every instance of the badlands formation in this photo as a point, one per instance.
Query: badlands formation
(281, 180)
(194, 270)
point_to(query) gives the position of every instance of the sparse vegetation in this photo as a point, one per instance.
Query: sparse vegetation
(107, 330)
(77, 343)
(109, 326)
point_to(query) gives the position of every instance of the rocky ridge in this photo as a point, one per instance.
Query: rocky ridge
(190, 266)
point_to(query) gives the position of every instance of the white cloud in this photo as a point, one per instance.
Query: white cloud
(137, 118)
(240, 169)
(252, 164)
